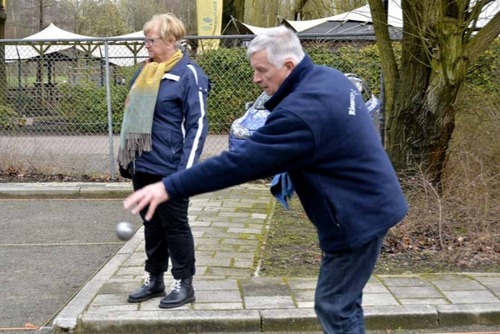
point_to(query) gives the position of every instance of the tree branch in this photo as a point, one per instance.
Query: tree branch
(386, 52)
(483, 38)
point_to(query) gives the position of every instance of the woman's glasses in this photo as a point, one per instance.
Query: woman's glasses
(151, 41)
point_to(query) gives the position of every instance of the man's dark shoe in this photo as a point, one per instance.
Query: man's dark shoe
(153, 287)
(181, 293)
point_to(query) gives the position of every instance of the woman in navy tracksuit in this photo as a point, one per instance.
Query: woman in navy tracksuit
(320, 132)
(179, 130)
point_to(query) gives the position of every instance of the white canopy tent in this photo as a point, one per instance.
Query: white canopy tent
(488, 12)
(60, 41)
(49, 41)
(54, 39)
(394, 17)
(244, 28)
(363, 15)
(125, 54)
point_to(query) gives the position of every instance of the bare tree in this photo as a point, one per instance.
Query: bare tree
(136, 13)
(27, 17)
(314, 9)
(439, 44)
(97, 18)
(3, 17)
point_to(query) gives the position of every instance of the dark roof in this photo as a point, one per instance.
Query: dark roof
(349, 30)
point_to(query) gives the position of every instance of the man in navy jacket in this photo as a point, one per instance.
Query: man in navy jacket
(320, 132)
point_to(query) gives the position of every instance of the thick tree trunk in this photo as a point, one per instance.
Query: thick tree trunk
(437, 48)
(422, 128)
(434, 62)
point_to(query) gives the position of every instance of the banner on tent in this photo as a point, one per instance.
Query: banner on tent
(209, 14)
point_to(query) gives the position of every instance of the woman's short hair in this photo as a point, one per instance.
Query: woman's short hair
(170, 26)
(281, 43)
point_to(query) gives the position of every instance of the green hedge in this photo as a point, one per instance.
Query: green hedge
(486, 70)
(85, 107)
(364, 61)
(231, 76)
(8, 117)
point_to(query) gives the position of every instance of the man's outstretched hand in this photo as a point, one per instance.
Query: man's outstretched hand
(152, 195)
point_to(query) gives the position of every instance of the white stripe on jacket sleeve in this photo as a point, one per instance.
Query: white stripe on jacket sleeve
(196, 141)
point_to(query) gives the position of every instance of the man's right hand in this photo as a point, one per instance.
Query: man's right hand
(152, 195)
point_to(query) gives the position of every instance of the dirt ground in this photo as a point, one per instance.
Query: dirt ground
(292, 249)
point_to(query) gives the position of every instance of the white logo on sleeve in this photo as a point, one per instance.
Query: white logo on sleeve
(352, 103)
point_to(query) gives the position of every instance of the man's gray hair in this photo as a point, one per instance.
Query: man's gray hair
(281, 43)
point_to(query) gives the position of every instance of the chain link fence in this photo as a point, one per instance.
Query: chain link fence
(63, 100)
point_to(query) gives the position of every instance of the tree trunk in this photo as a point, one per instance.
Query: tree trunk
(433, 69)
(386, 51)
(3, 73)
(438, 47)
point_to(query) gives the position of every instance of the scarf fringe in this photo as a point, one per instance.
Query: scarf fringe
(135, 144)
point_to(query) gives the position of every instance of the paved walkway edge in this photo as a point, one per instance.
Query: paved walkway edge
(49, 190)
(67, 320)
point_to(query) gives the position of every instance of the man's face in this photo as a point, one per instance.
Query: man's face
(266, 75)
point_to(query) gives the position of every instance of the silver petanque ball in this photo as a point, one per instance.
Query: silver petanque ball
(124, 231)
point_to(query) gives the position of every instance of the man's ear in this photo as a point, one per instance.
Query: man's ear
(289, 64)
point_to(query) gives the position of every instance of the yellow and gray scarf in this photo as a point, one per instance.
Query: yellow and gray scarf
(135, 135)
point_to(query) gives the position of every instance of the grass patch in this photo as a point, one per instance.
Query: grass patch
(292, 245)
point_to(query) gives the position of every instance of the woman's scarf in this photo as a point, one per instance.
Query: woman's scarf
(135, 135)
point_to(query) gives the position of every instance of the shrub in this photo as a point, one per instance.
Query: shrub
(85, 106)
(363, 61)
(8, 117)
(231, 78)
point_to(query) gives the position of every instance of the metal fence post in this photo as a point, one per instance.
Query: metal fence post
(110, 114)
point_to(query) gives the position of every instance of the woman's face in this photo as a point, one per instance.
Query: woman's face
(158, 49)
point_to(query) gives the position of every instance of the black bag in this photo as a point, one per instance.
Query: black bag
(125, 172)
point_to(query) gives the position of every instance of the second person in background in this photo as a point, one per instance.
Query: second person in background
(163, 131)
